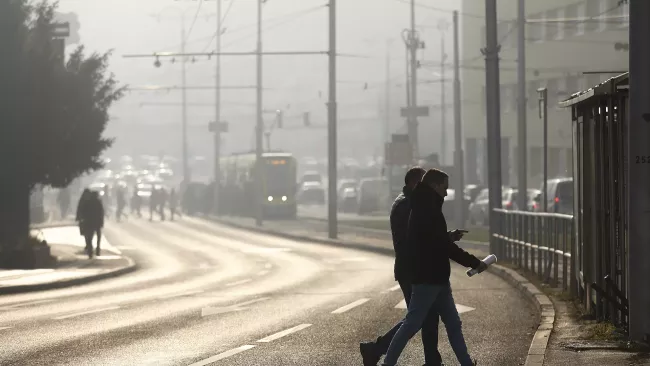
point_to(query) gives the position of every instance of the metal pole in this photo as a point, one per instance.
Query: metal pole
(458, 133)
(186, 168)
(259, 126)
(522, 199)
(217, 113)
(443, 110)
(493, 118)
(331, 135)
(545, 152)
(408, 81)
(413, 120)
(638, 178)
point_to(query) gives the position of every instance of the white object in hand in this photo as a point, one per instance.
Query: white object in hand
(490, 259)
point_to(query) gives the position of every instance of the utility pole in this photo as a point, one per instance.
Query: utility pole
(493, 107)
(442, 26)
(543, 110)
(458, 133)
(217, 114)
(331, 114)
(259, 127)
(522, 150)
(414, 44)
(638, 178)
(186, 165)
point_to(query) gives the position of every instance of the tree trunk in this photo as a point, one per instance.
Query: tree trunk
(14, 214)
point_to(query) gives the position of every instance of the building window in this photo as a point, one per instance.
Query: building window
(551, 25)
(581, 19)
(536, 28)
(625, 14)
(593, 13)
(561, 25)
(572, 85)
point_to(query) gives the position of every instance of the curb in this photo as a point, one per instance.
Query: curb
(131, 267)
(544, 306)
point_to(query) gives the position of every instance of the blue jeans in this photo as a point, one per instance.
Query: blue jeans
(424, 298)
(429, 331)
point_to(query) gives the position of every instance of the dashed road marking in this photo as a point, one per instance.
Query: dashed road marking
(24, 304)
(263, 273)
(223, 355)
(460, 308)
(207, 311)
(284, 333)
(394, 288)
(3, 328)
(237, 283)
(260, 250)
(86, 312)
(347, 307)
(186, 293)
(268, 266)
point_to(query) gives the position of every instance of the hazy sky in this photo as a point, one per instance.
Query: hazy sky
(147, 26)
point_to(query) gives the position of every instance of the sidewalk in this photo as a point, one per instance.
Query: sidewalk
(567, 344)
(73, 266)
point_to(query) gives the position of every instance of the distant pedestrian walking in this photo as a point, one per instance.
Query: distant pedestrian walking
(121, 203)
(153, 202)
(173, 204)
(90, 214)
(162, 202)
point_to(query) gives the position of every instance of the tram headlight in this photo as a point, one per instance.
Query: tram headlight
(284, 198)
(270, 198)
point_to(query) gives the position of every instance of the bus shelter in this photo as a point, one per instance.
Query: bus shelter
(599, 121)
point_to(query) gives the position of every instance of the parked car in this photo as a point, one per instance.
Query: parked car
(373, 195)
(347, 195)
(473, 190)
(311, 177)
(559, 196)
(479, 209)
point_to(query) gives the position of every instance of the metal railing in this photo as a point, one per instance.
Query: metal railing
(541, 243)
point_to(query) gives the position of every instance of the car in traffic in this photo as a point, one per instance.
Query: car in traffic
(311, 177)
(311, 193)
(559, 196)
(347, 195)
(479, 209)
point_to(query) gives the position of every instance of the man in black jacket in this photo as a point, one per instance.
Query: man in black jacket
(432, 247)
(399, 217)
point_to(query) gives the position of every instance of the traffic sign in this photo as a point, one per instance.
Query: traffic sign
(415, 111)
(398, 153)
(223, 127)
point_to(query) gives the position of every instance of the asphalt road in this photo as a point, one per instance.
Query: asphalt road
(209, 294)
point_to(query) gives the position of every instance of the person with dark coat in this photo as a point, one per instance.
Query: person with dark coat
(153, 202)
(399, 216)
(91, 221)
(430, 248)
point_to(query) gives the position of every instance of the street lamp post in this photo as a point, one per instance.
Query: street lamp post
(543, 113)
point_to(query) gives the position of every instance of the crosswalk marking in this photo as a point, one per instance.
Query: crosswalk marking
(283, 333)
(460, 308)
(223, 355)
(347, 307)
(394, 288)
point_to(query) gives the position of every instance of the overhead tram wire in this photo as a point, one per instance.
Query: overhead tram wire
(278, 21)
(196, 15)
(223, 20)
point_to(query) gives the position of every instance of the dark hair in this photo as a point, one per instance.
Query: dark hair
(414, 175)
(435, 176)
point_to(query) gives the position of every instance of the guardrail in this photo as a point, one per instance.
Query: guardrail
(542, 243)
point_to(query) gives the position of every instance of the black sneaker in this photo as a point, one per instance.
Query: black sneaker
(369, 353)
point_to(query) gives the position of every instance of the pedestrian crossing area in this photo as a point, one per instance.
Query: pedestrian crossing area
(460, 308)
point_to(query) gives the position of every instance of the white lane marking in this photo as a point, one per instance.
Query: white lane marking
(265, 250)
(108, 257)
(347, 307)
(207, 311)
(223, 355)
(394, 288)
(3, 328)
(23, 304)
(262, 273)
(283, 333)
(86, 312)
(48, 277)
(463, 309)
(186, 293)
(460, 308)
(355, 259)
(268, 266)
(238, 282)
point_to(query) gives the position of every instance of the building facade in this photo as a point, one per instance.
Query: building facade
(570, 46)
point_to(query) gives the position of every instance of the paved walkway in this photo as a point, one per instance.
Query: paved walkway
(73, 266)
